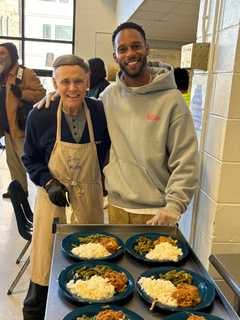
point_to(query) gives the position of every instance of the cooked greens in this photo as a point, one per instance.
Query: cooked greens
(86, 273)
(144, 245)
(92, 238)
(177, 277)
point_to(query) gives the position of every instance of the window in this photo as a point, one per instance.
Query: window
(10, 18)
(46, 31)
(41, 31)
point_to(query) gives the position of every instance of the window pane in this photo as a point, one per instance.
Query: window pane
(10, 17)
(17, 44)
(46, 31)
(63, 33)
(40, 55)
(39, 13)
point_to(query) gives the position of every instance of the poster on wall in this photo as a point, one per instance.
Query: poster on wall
(196, 106)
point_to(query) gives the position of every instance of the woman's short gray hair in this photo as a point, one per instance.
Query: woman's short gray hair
(70, 60)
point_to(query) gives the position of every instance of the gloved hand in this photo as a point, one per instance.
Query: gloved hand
(57, 193)
(165, 217)
(46, 101)
(16, 91)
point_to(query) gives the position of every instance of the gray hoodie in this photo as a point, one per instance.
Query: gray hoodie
(153, 158)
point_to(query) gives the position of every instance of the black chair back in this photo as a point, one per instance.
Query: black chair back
(22, 209)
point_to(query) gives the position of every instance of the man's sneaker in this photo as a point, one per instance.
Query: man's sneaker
(6, 195)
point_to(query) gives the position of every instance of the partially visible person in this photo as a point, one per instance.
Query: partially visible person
(98, 83)
(64, 153)
(98, 80)
(12, 97)
(182, 81)
(153, 168)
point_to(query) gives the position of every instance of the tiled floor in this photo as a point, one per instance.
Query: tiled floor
(11, 244)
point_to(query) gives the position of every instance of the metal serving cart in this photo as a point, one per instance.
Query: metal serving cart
(228, 266)
(58, 307)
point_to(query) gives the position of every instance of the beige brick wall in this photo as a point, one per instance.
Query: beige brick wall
(218, 213)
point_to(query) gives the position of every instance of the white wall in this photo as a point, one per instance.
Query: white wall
(95, 22)
(126, 8)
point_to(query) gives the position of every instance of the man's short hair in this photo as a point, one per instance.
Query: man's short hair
(70, 60)
(128, 25)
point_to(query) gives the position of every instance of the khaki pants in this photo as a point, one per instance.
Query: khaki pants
(120, 216)
(14, 152)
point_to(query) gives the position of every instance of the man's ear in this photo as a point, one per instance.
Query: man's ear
(54, 83)
(115, 57)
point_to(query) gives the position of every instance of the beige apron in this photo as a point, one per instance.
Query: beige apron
(77, 167)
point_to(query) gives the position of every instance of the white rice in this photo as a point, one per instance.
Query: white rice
(159, 290)
(91, 250)
(96, 288)
(164, 251)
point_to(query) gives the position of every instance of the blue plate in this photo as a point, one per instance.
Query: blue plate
(93, 310)
(129, 247)
(185, 315)
(73, 240)
(206, 289)
(68, 274)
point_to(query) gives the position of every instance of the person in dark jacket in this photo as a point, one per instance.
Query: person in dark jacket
(98, 80)
(12, 97)
(64, 152)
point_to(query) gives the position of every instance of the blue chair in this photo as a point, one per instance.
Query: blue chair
(24, 218)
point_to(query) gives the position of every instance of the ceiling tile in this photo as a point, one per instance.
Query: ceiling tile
(169, 20)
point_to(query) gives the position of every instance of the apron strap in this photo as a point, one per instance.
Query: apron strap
(59, 114)
(89, 122)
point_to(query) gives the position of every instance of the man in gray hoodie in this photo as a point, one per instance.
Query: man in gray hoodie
(153, 169)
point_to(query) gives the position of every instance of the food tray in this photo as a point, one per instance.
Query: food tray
(58, 307)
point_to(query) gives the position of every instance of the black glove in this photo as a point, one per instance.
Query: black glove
(16, 91)
(57, 193)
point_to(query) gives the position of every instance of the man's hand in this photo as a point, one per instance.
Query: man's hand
(46, 101)
(16, 91)
(165, 217)
(57, 193)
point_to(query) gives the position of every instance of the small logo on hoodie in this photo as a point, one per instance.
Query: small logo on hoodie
(152, 117)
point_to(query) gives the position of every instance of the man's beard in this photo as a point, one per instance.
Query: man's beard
(5, 64)
(138, 73)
